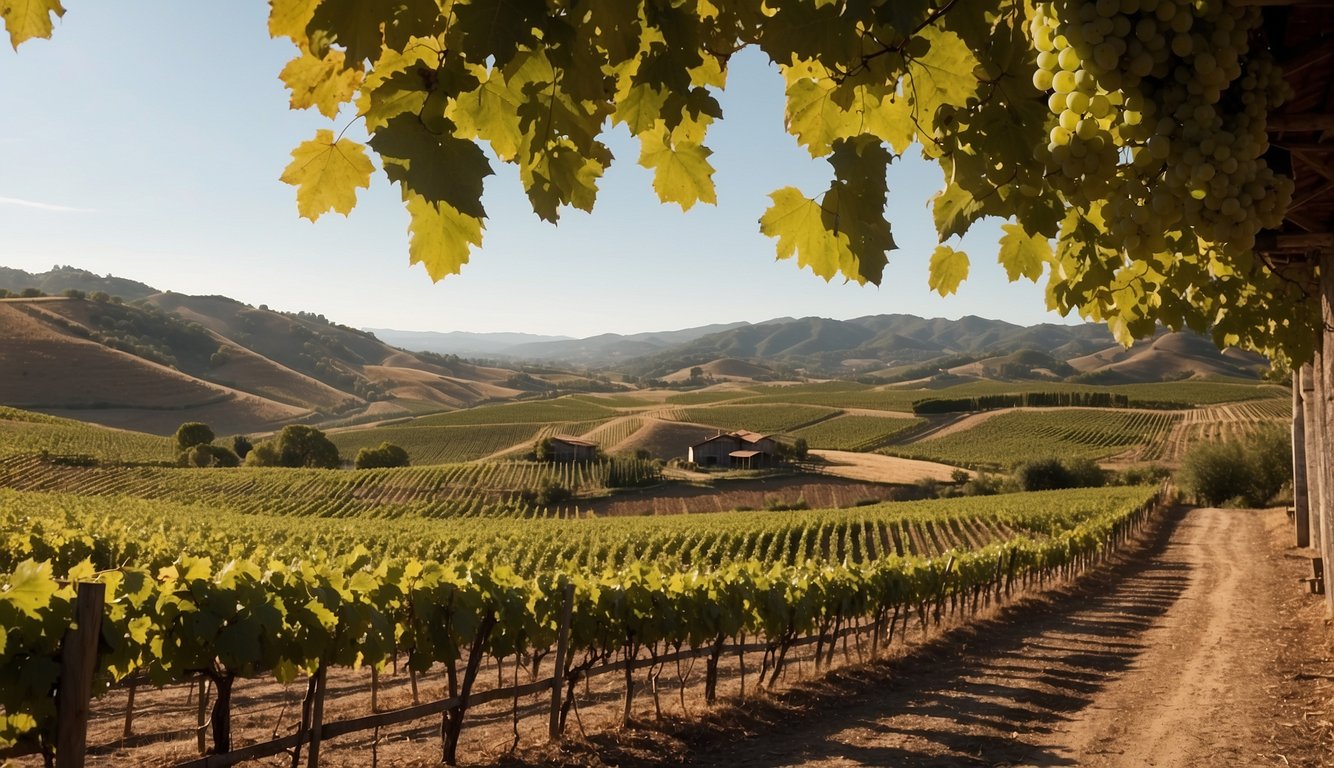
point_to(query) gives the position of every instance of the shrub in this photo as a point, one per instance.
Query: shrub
(1248, 472)
(241, 446)
(1143, 474)
(386, 455)
(296, 446)
(550, 493)
(191, 434)
(1042, 475)
(205, 455)
(1051, 474)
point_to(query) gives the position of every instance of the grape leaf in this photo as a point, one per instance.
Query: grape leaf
(327, 174)
(803, 229)
(31, 587)
(496, 29)
(682, 173)
(954, 210)
(320, 83)
(289, 18)
(26, 19)
(1023, 255)
(943, 75)
(490, 112)
(948, 268)
(439, 167)
(815, 118)
(441, 236)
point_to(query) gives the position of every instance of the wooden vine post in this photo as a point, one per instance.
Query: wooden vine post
(78, 659)
(1301, 507)
(562, 650)
(1311, 454)
(1324, 376)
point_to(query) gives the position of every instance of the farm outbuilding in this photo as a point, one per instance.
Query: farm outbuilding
(565, 448)
(746, 450)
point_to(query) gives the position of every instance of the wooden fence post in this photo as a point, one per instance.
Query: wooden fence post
(1301, 508)
(317, 717)
(562, 648)
(201, 733)
(78, 659)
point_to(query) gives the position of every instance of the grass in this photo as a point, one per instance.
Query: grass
(438, 445)
(855, 432)
(755, 418)
(525, 412)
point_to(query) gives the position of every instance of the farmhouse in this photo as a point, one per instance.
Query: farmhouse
(566, 448)
(735, 449)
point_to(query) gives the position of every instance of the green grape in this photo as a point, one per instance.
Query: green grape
(1042, 79)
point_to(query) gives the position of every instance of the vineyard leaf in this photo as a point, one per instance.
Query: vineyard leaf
(26, 19)
(948, 268)
(327, 174)
(815, 118)
(320, 83)
(496, 29)
(943, 75)
(1023, 255)
(438, 166)
(799, 224)
(954, 210)
(362, 28)
(30, 588)
(441, 236)
(682, 173)
(289, 18)
(490, 112)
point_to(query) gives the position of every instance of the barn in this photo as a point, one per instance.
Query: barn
(566, 448)
(745, 450)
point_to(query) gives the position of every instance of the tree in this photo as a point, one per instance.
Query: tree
(297, 445)
(192, 433)
(385, 455)
(241, 446)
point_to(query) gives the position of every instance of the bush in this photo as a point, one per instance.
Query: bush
(191, 434)
(1144, 474)
(241, 446)
(386, 455)
(1051, 474)
(296, 446)
(1249, 472)
(550, 493)
(205, 455)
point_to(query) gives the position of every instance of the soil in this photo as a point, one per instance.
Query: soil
(1201, 649)
(1201, 646)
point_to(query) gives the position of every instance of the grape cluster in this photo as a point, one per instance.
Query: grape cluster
(1159, 108)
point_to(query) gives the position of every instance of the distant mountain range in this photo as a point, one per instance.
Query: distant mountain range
(149, 359)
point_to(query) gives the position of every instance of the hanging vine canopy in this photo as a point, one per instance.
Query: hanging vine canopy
(1124, 141)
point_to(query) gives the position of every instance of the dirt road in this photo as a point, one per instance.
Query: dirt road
(1200, 650)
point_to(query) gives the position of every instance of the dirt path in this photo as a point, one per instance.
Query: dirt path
(1199, 650)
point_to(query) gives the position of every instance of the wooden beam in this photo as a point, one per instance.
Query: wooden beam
(1301, 3)
(1315, 162)
(1302, 121)
(1305, 147)
(1311, 53)
(1294, 242)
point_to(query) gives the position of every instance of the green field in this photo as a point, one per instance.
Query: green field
(437, 445)
(1013, 437)
(25, 432)
(765, 419)
(570, 408)
(855, 432)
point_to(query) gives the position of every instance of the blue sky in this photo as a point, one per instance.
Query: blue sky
(146, 140)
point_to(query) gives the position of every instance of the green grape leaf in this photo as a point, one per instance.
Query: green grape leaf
(943, 75)
(438, 166)
(490, 112)
(949, 268)
(31, 587)
(682, 173)
(954, 210)
(320, 83)
(815, 118)
(639, 108)
(442, 237)
(798, 223)
(26, 19)
(496, 29)
(327, 174)
(1023, 255)
(363, 28)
